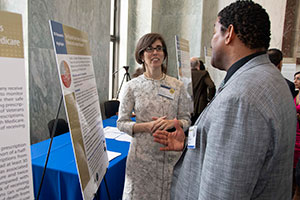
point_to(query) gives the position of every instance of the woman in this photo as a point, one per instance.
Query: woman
(156, 99)
(297, 103)
(297, 144)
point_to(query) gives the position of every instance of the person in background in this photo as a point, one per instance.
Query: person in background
(297, 144)
(275, 56)
(244, 139)
(204, 88)
(156, 99)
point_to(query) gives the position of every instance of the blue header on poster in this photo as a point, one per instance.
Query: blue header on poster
(59, 38)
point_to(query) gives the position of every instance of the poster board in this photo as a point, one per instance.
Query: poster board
(15, 159)
(77, 78)
(216, 75)
(289, 68)
(184, 67)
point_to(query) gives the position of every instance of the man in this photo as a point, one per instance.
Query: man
(275, 56)
(201, 84)
(245, 136)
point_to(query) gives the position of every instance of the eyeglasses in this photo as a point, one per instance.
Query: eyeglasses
(151, 49)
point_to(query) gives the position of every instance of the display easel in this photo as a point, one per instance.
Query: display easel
(48, 153)
(126, 76)
(106, 186)
(96, 196)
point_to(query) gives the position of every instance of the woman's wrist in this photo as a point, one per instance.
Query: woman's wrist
(141, 127)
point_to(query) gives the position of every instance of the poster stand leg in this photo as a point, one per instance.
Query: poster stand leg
(52, 135)
(96, 196)
(127, 76)
(48, 153)
(106, 186)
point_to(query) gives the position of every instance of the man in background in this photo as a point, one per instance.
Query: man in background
(242, 145)
(275, 55)
(203, 87)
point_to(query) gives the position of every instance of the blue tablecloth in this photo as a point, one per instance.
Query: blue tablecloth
(61, 179)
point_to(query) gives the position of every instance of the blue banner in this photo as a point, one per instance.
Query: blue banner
(58, 37)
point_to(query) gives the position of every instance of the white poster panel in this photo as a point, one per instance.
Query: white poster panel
(216, 75)
(15, 160)
(184, 67)
(288, 70)
(77, 78)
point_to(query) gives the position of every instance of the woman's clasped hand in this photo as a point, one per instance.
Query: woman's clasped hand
(161, 123)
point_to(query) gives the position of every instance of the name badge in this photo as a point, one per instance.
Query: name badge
(167, 92)
(192, 137)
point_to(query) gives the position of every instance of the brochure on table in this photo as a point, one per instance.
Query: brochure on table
(115, 133)
(15, 162)
(184, 67)
(77, 78)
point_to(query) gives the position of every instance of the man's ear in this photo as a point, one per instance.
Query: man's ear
(230, 34)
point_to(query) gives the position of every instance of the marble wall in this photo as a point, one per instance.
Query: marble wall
(92, 17)
(190, 19)
(291, 34)
(193, 20)
(277, 16)
(139, 23)
(276, 13)
(178, 17)
(169, 18)
(211, 8)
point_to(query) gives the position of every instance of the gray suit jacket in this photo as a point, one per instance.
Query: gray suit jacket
(245, 140)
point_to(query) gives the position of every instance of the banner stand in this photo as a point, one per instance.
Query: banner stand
(48, 153)
(52, 135)
(96, 196)
(108, 195)
(81, 100)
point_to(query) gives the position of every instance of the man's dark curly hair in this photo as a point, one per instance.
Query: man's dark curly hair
(250, 21)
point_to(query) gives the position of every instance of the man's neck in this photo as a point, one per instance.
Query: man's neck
(238, 64)
(240, 53)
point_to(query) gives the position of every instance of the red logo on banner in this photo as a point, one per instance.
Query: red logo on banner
(65, 74)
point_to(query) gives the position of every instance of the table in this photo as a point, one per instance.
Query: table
(61, 179)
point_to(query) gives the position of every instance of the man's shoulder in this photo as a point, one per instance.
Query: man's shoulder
(258, 73)
(261, 86)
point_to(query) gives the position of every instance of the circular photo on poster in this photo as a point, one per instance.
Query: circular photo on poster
(65, 73)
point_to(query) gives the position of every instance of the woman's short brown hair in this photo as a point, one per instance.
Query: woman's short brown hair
(146, 41)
